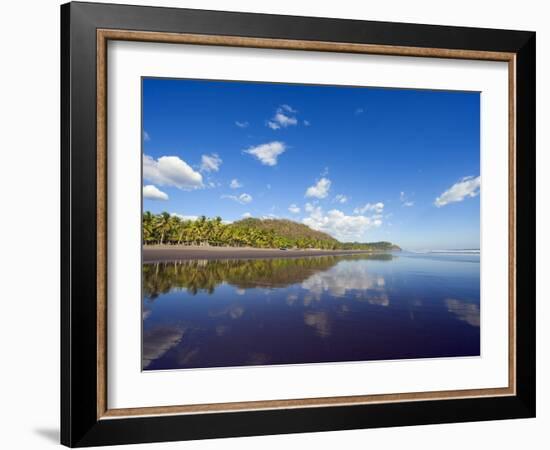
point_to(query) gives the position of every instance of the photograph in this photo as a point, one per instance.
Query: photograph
(273, 226)
(300, 224)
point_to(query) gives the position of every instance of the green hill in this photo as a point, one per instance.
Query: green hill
(261, 233)
(285, 228)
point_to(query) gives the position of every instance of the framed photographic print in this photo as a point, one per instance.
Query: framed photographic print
(277, 224)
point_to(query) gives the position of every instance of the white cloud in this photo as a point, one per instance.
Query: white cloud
(171, 171)
(241, 124)
(341, 198)
(376, 207)
(466, 187)
(246, 215)
(243, 199)
(408, 203)
(146, 137)
(319, 189)
(288, 108)
(153, 193)
(294, 209)
(235, 184)
(210, 163)
(182, 217)
(268, 153)
(402, 196)
(311, 208)
(284, 117)
(307, 123)
(338, 224)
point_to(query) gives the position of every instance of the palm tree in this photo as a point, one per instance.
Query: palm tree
(163, 226)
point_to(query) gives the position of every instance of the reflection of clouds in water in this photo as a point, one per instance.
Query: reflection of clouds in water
(234, 311)
(343, 308)
(308, 299)
(291, 299)
(188, 356)
(240, 291)
(467, 312)
(374, 297)
(146, 313)
(346, 277)
(158, 340)
(380, 300)
(319, 321)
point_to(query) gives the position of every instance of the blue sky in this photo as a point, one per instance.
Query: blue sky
(362, 164)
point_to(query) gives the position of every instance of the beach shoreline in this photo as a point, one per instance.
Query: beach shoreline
(155, 253)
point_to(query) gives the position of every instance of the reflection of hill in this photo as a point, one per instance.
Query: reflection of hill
(200, 275)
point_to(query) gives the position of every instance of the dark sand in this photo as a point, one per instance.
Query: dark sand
(159, 254)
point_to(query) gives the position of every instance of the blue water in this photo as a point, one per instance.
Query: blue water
(310, 310)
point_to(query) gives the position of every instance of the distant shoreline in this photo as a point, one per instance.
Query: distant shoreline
(155, 253)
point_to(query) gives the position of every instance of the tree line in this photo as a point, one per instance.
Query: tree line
(168, 229)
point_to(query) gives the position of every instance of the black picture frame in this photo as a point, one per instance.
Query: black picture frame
(80, 425)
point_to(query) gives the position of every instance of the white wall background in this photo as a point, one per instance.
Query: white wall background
(29, 189)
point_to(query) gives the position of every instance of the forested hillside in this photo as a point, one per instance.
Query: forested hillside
(167, 229)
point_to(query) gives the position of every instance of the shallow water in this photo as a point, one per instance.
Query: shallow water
(310, 310)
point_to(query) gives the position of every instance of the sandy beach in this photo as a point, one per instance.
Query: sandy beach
(171, 253)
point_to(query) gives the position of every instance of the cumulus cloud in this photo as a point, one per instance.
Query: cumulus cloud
(466, 187)
(340, 198)
(151, 192)
(338, 224)
(319, 189)
(235, 184)
(243, 199)
(376, 207)
(285, 116)
(246, 215)
(171, 171)
(268, 153)
(210, 163)
(310, 208)
(241, 124)
(294, 209)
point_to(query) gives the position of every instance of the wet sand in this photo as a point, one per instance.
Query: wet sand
(172, 253)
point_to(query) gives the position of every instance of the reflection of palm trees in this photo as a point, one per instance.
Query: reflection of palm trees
(201, 275)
